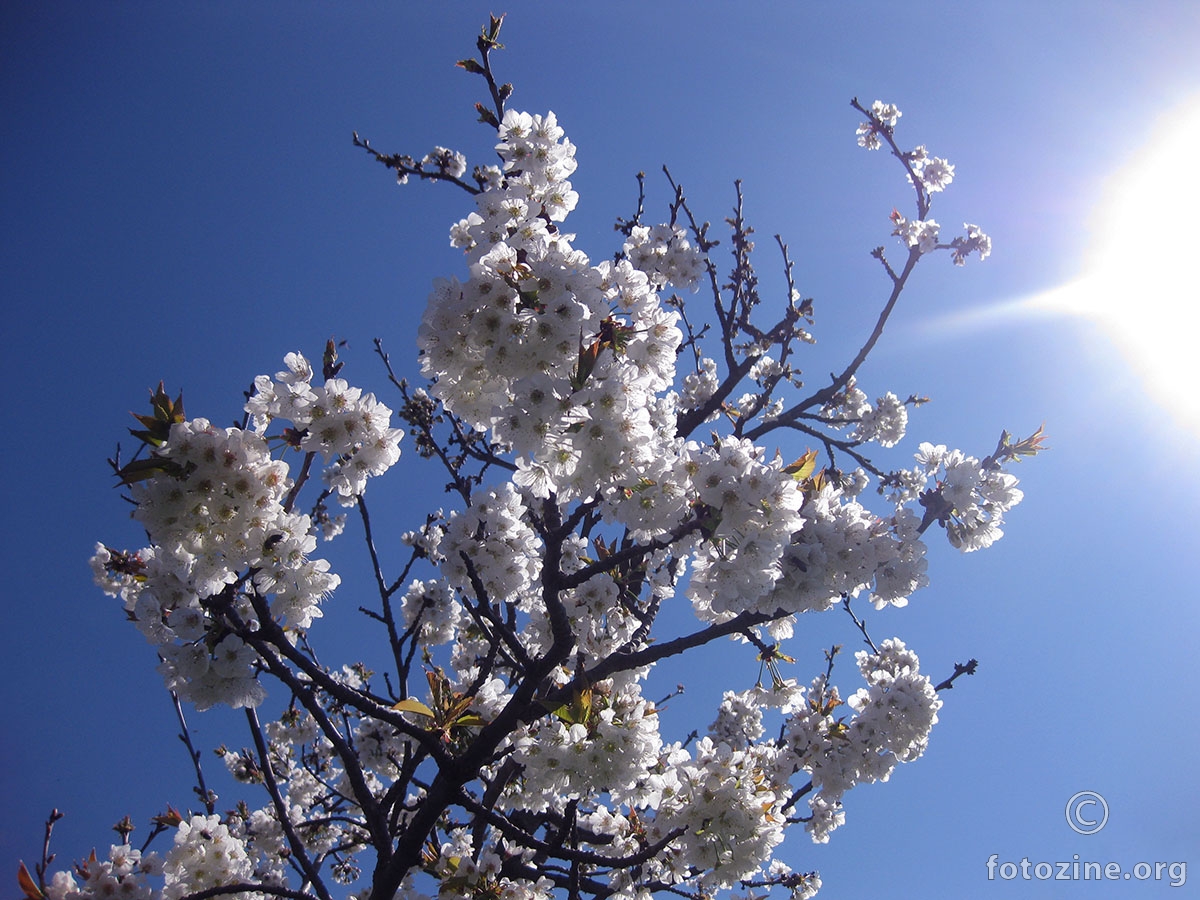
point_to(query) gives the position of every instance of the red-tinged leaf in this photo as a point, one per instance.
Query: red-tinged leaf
(585, 365)
(170, 819)
(1033, 444)
(28, 886)
(487, 116)
(329, 364)
(458, 708)
(439, 688)
(487, 39)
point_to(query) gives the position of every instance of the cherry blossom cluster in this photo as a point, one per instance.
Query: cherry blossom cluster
(752, 510)
(934, 173)
(665, 254)
(587, 750)
(973, 496)
(931, 174)
(560, 360)
(727, 810)
(216, 508)
(893, 717)
(479, 874)
(493, 546)
(433, 611)
(126, 873)
(884, 117)
(205, 856)
(845, 549)
(218, 526)
(699, 387)
(883, 422)
(351, 430)
(917, 234)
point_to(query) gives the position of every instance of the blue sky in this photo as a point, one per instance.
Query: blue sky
(179, 199)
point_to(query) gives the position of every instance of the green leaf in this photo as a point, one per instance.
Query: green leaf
(558, 710)
(165, 414)
(412, 705)
(141, 469)
(803, 467)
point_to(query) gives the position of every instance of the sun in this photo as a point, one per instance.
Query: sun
(1141, 278)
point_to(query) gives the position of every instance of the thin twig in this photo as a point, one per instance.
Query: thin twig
(207, 797)
(862, 626)
(282, 813)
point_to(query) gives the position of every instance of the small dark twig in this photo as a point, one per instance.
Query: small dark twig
(830, 656)
(797, 795)
(960, 669)
(626, 226)
(388, 617)
(47, 857)
(305, 469)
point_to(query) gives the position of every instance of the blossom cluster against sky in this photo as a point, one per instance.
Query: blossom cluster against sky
(181, 201)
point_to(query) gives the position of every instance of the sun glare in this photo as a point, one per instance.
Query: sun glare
(1141, 280)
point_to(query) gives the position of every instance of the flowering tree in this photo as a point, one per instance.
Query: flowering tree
(607, 475)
